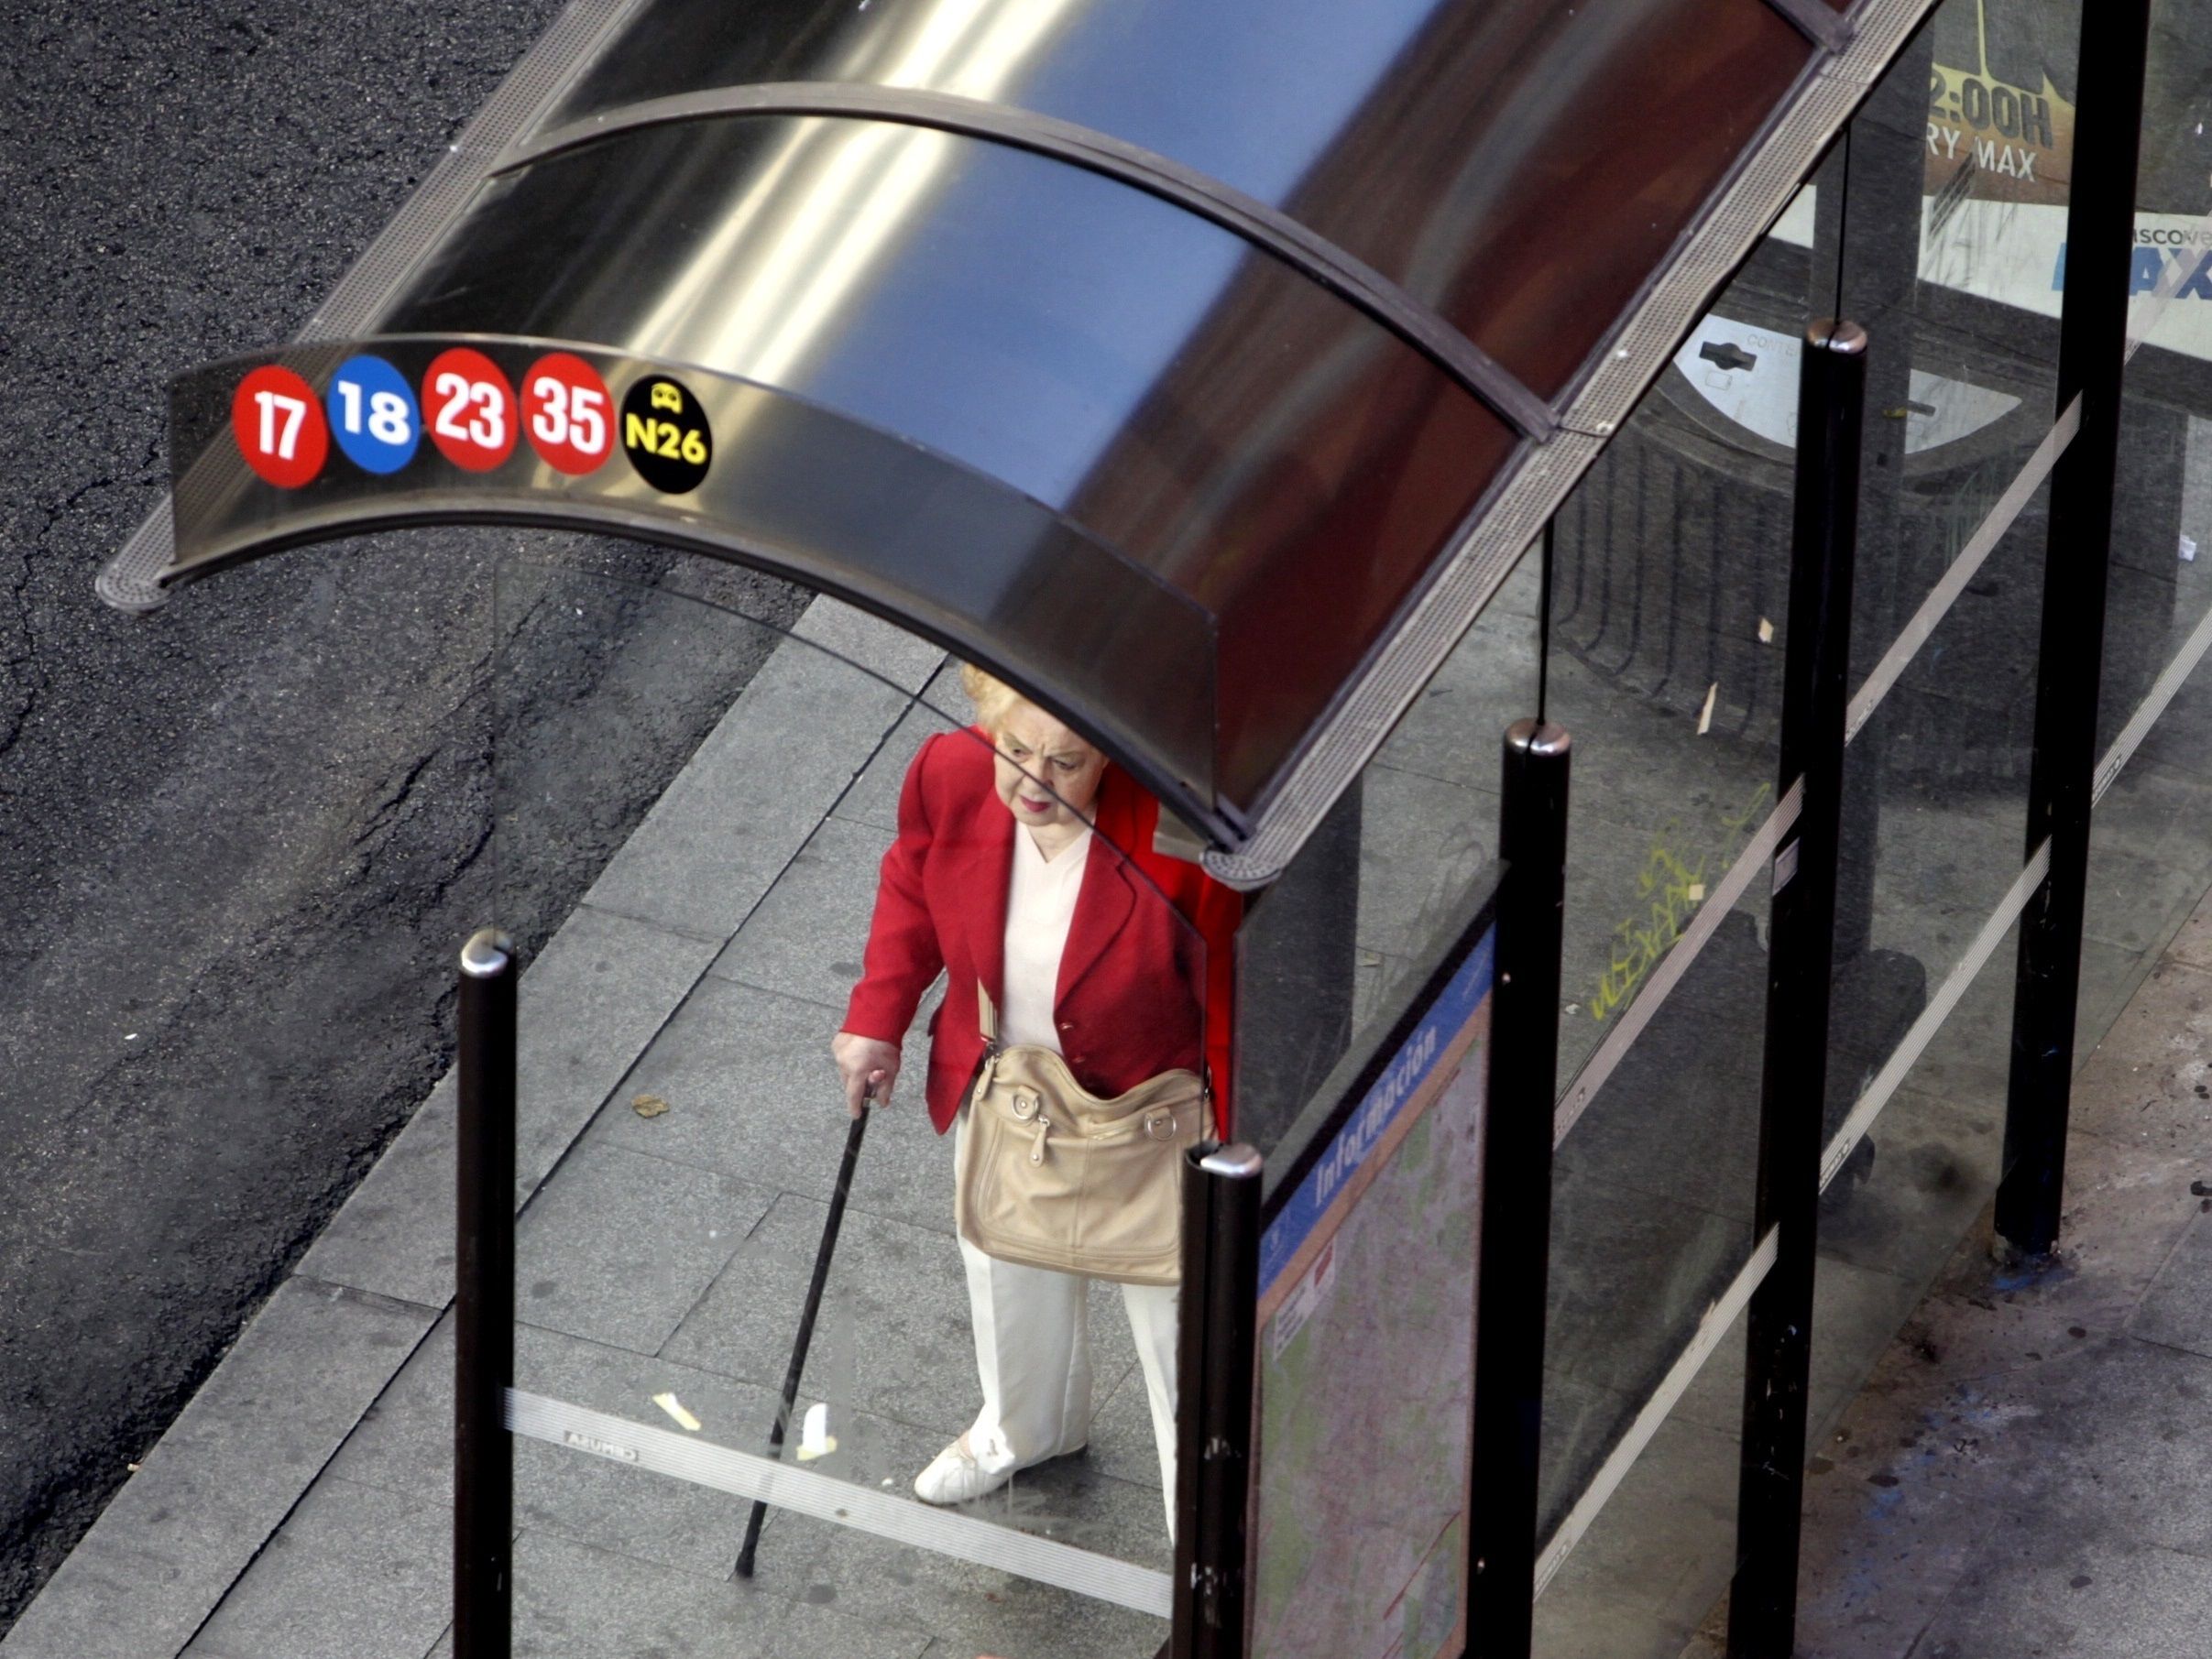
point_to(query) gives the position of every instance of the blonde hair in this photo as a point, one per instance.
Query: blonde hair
(990, 695)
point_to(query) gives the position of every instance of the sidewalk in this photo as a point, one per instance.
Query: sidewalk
(300, 1506)
(2027, 1472)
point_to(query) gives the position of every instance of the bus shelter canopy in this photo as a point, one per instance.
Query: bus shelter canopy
(1202, 369)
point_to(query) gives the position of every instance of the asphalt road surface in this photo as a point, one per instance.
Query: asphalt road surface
(241, 838)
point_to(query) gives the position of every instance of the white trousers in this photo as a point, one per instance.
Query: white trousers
(1032, 1356)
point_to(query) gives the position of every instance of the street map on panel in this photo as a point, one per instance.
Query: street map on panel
(1367, 1342)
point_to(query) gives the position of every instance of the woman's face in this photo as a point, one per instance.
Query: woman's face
(1047, 775)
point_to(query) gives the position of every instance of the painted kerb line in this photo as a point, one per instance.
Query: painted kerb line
(842, 1503)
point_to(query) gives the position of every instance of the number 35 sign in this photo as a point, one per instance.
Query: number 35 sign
(470, 411)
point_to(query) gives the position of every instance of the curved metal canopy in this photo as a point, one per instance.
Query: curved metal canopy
(1202, 368)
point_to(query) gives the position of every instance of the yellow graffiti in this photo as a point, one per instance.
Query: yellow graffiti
(1671, 889)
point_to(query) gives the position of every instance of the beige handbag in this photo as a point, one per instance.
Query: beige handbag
(1050, 1175)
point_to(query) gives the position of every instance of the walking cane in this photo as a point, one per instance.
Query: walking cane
(806, 1318)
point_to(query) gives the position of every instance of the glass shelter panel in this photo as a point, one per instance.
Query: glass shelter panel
(1669, 624)
(671, 1224)
(2149, 863)
(1953, 224)
(1363, 983)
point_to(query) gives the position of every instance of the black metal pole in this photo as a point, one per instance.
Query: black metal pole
(2092, 348)
(806, 1318)
(483, 1301)
(1517, 1192)
(1762, 1607)
(1213, 1455)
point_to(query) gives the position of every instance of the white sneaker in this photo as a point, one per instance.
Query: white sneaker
(957, 1477)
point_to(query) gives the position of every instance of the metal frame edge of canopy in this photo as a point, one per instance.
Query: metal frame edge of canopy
(1253, 840)
(1512, 515)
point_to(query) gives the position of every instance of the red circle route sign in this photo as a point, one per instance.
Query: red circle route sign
(469, 409)
(279, 425)
(570, 415)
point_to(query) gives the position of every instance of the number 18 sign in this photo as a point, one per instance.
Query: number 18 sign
(372, 412)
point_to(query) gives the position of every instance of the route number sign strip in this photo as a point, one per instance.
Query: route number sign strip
(466, 404)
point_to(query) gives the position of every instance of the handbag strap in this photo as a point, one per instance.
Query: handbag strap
(987, 1017)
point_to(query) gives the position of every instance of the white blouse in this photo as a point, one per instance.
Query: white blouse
(1040, 906)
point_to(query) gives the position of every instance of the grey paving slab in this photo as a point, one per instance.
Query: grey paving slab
(2108, 1600)
(969, 1610)
(2178, 1309)
(2138, 901)
(355, 1573)
(395, 1234)
(573, 1601)
(872, 797)
(751, 794)
(1455, 726)
(1936, 1165)
(221, 1480)
(1120, 1422)
(1583, 1420)
(2119, 1429)
(1657, 1556)
(1855, 1311)
(899, 1287)
(1970, 1056)
(586, 1007)
(2110, 977)
(618, 1247)
(405, 1446)
(2156, 811)
(2164, 1039)
(805, 938)
(2192, 943)
(1629, 1281)
(906, 659)
(752, 1093)
(1422, 845)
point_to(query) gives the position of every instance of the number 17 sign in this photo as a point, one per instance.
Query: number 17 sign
(278, 423)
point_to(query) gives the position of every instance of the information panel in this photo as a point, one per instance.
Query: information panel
(1366, 1353)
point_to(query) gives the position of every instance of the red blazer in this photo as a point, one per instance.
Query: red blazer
(1128, 1000)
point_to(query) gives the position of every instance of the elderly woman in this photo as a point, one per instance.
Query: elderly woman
(1025, 866)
